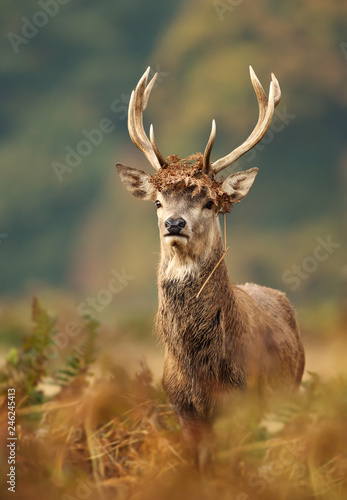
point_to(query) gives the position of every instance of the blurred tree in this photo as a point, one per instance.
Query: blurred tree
(79, 69)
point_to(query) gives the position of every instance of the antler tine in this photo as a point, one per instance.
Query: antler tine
(138, 102)
(266, 110)
(209, 146)
(160, 157)
(148, 91)
(261, 95)
(277, 89)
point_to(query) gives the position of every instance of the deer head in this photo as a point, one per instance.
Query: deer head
(186, 192)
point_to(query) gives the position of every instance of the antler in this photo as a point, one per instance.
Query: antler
(138, 103)
(266, 110)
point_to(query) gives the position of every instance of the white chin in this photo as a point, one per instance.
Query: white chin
(176, 241)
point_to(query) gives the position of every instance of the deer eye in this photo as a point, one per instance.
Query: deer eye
(209, 205)
(158, 204)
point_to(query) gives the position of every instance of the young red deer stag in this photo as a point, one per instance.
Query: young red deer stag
(218, 337)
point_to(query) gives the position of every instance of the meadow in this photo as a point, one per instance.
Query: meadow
(88, 428)
(88, 410)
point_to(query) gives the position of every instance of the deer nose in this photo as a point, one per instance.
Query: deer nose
(175, 226)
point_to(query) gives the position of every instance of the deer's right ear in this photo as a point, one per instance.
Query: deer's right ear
(137, 182)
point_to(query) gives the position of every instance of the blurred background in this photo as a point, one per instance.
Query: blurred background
(67, 225)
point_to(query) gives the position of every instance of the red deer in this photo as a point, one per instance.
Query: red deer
(219, 337)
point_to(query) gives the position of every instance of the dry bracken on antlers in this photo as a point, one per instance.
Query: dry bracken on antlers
(190, 172)
(174, 172)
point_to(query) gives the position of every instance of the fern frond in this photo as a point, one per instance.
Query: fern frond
(84, 355)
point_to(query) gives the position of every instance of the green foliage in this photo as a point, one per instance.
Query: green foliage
(78, 364)
(27, 368)
(34, 353)
(91, 54)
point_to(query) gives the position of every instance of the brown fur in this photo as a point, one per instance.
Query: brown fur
(229, 338)
(219, 338)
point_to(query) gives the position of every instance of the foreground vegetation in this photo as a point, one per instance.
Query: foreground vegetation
(115, 436)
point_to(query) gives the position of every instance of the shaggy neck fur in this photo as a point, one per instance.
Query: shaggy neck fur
(194, 329)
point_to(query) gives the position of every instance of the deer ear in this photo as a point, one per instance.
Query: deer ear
(137, 182)
(237, 185)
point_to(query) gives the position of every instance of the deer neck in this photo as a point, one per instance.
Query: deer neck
(180, 279)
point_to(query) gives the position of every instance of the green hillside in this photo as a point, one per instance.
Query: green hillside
(77, 71)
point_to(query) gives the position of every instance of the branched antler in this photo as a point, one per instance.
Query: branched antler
(266, 110)
(138, 103)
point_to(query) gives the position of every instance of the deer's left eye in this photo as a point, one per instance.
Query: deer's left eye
(209, 205)
(158, 204)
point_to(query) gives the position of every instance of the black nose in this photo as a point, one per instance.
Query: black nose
(175, 226)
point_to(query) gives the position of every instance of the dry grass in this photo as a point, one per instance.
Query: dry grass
(116, 437)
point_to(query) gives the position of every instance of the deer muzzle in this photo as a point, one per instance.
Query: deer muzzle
(174, 226)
